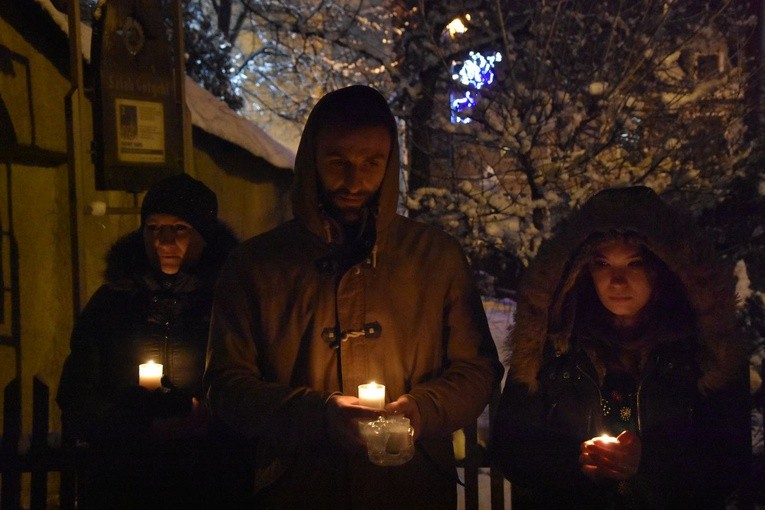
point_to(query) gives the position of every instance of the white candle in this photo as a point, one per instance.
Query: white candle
(372, 395)
(150, 375)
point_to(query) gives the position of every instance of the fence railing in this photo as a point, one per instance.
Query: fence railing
(43, 454)
(39, 455)
(475, 459)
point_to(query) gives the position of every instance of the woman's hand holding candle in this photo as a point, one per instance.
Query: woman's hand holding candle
(193, 424)
(608, 457)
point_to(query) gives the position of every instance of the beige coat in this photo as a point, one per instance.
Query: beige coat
(409, 317)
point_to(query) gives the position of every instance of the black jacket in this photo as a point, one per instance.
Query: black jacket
(136, 316)
(692, 391)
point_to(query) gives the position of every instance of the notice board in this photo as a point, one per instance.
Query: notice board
(138, 94)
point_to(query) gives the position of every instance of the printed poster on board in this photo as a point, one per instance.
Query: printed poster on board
(140, 131)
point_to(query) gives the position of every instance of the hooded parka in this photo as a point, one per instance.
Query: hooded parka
(138, 315)
(292, 324)
(692, 413)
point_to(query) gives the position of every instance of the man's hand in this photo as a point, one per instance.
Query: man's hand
(615, 459)
(408, 407)
(343, 414)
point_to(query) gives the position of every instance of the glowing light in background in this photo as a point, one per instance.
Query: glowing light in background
(473, 74)
(456, 26)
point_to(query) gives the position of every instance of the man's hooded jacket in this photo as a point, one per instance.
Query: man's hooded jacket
(296, 318)
(691, 398)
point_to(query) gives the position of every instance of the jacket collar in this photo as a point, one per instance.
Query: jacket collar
(127, 264)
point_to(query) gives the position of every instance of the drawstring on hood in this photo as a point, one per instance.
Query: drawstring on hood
(374, 256)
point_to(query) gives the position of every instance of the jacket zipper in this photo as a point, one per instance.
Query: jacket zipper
(637, 405)
(166, 355)
(597, 388)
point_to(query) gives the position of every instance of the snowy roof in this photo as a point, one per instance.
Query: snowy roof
(207, 111)
(214, 116)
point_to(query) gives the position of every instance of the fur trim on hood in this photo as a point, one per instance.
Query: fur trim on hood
(127, 258)
(707, 281)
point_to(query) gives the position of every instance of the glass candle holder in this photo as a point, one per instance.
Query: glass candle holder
(390, 441)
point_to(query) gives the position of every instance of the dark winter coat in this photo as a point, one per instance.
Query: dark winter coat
(407, 315)
(136, 316)
(691, 398)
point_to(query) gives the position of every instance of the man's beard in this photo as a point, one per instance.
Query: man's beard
(349, 215)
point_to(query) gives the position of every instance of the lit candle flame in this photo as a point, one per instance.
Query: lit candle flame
(372, 395)
(150, 375)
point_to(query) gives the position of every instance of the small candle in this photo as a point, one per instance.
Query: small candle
(605, 438)
(372, 395)
(150, 375)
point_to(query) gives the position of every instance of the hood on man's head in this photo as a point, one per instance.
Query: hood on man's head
(185, 197)
(351, 107)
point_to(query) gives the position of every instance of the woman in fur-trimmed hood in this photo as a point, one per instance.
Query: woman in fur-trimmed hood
(625, 327)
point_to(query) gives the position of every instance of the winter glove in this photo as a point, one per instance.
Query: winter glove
(130, 415)
(168, 403)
